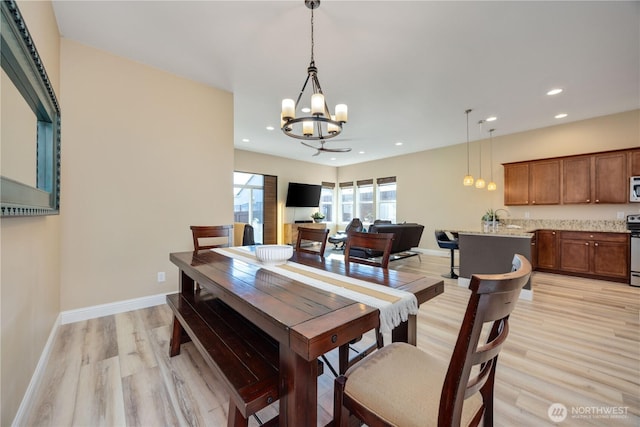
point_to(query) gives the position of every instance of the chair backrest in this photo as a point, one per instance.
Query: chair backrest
(211, 233)
(441, 236)
(493, 298)
(374, 241)
(354, 225)
(307, 235)
(248, 236)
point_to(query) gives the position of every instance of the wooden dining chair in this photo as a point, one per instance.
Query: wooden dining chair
(360, 243)
(311, 235)
(402, 385)
(209, 234)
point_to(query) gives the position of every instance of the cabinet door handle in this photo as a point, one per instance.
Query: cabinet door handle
(595, 244)
(586, 244)
(588, 200)
(597, 200)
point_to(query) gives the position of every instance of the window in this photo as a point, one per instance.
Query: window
(248, 201)
(346, 201)
(326, 200)
(387, 198)
(365, 207)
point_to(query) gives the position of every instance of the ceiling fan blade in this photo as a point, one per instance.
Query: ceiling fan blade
(335, 150)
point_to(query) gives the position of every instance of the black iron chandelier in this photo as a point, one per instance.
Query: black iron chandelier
(320, 125)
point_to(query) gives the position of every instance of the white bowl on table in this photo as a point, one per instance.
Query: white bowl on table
(273, 254)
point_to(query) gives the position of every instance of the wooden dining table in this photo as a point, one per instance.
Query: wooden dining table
(307, 322)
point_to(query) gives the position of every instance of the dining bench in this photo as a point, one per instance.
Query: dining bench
(245, 358)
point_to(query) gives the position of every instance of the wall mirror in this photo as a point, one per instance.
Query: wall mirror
(30, 124)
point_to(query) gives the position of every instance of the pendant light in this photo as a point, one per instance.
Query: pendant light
(492, 185)
(468, 179)
(480, 182)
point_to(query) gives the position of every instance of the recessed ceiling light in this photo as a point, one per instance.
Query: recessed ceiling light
(333, 158)
(561, 116)
(398, 143)
(491, 119)
(306, 110)
(245, 139)
(361, 152)
(270, 128)
(554, 91)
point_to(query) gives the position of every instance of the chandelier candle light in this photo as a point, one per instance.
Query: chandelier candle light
(321, 124)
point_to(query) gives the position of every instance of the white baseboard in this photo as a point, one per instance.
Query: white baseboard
(86, 313)
(525, 294)
(36, 378)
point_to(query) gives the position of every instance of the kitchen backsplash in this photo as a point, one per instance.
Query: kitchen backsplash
(618, 226)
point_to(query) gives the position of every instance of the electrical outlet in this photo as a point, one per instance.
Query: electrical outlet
(620, 215)
(161, 277)
(527, 215)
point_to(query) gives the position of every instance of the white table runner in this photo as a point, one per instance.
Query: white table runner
(394, 305)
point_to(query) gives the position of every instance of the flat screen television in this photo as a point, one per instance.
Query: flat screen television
(303, 195)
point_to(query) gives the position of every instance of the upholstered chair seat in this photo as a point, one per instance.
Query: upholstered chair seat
(417, 391)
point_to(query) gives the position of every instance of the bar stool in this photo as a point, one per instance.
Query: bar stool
(445, 242)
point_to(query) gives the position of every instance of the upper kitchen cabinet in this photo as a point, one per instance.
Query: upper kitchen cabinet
(576, 177)
(634, 162)
(611, 180)
(544, 182)
(532, 183)
(516, 184)
(596, 178)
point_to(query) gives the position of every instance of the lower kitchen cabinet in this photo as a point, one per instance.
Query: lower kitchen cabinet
(594, 254)
(546, 250)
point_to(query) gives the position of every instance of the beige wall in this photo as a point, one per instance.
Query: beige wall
(146, 154)
(287, 171)
(29, 257)
(430, 189)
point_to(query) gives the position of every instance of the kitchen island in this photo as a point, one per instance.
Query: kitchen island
(492, 252)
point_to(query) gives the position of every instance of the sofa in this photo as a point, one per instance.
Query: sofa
(406, 236)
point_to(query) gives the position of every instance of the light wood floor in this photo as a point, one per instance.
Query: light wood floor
(577, 343)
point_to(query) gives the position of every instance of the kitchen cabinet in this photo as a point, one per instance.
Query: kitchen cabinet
(546, 250)
(594, 254)
(611, 180)
(544, 182)
(532, 183)
(516, 184)
(576, 179)
(595, 178)
(634, 163)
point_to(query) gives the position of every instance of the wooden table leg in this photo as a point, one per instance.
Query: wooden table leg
(186, 283)
(406, 331)
(298, 390)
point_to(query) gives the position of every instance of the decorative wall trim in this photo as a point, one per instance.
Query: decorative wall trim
(77, 315)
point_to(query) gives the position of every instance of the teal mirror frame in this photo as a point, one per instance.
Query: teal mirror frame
(22, 63)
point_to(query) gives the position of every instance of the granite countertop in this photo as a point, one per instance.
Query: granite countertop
(502, 231)
(526, 227)
(605, 225)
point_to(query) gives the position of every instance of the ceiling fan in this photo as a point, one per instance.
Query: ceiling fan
(322, 149)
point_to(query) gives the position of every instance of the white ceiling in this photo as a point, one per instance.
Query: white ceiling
(406, 69)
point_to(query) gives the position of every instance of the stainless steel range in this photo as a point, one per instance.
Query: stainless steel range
(633, 225)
